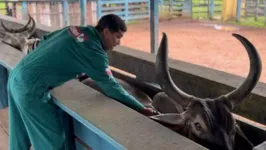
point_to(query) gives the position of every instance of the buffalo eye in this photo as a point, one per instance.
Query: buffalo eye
(197, 126)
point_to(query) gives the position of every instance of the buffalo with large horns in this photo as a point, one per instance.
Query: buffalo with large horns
(207, 121)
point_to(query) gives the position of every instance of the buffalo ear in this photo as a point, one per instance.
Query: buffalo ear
(164, 104)
(241, 141)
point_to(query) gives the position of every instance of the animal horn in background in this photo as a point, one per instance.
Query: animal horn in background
(22, 29)
(32, 29)
(235, 97)
(164, 77)
(238, 95)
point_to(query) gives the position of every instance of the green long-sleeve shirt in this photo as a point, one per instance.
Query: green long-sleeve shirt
(65, 53)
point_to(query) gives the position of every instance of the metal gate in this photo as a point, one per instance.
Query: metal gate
(254, 8)
(175, 8)
(126, 9)
(198, 9)
(211, 9)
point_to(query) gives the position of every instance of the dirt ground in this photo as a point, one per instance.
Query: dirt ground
(199, 42)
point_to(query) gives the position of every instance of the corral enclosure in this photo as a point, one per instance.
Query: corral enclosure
(193, 79)
(64, 12)
(204, 43)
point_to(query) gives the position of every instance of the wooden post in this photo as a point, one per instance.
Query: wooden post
(94, 12)
(229, 9)
(65, 13)
(265, 12)
(190, 3)
(126, 11)
(154, 15)
(83, 10)
(8, 9)
(24, 10)
(238, 10)
(257, 10)
(170, 2)
(99, 11)
(211, 9)
(14, 9)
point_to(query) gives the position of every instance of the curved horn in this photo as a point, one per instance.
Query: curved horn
(24, 28)
(11, 40)
(164, 77)
(242, 91)
(30, 31)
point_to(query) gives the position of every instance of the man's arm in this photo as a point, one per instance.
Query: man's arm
(113, 89)
(98, 71)
(106, 82)
(94, 62)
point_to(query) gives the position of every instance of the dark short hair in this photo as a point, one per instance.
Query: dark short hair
(113, 22)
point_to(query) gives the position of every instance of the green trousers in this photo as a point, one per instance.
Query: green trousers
(33, 121)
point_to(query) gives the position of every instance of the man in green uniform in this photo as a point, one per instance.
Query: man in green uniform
(60, 57)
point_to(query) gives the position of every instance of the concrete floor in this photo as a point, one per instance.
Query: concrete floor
(4, 129)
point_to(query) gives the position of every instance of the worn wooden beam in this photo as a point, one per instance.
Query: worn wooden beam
(83, 11)
(154, 22)
(65, 13)
(238, 10)
(24, 10)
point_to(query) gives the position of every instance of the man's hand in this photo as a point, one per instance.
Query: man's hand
(149, 111)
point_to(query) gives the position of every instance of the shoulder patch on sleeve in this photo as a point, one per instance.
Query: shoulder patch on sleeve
(108, 72)
(77, 34)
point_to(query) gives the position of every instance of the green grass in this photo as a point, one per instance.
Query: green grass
(201, 13)
(130, 22)
(250, 22)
